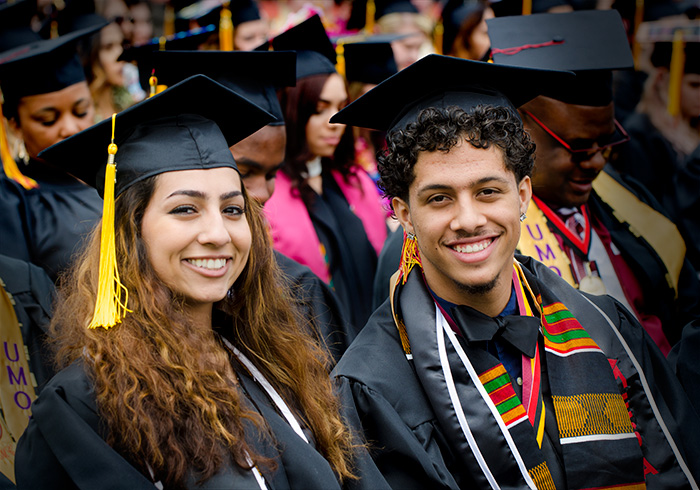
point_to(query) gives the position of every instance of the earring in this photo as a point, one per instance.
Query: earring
(522, 217)
(410, 235)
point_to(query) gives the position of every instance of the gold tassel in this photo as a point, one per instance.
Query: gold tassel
(527, 7)
(438, 34)
(9, 165)
(225, 29)
(340, 60)
(112, 295)
(410, 256)
(169, 21)
(369, 16)
(676, 70)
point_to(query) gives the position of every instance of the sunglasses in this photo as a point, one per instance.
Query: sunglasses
(584, 154)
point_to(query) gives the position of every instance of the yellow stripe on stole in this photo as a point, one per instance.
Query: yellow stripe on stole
(537, 241)
(654, 227)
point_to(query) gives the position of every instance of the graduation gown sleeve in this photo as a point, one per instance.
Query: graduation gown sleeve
(389, 408)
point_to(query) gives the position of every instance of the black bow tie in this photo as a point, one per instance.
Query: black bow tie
(519, 331)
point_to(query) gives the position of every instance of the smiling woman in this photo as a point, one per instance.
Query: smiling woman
(203, 375)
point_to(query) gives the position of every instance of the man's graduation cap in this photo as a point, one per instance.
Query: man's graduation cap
(253, 74)
(188, 126)
(443, 81)
(589, 43)
(315, 52)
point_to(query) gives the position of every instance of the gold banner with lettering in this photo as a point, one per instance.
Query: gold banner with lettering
(16, 384)
(537, 241)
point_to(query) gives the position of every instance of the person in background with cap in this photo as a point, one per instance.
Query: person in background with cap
(325, 212)
(465, 31)
(485, 369)
(250, 28)
(47, 100)
(257, 76)
(194, 373)
(665, 141)
(600, 231)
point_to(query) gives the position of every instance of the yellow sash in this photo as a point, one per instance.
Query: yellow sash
(16, 384)
(537, 241)
(644, 221)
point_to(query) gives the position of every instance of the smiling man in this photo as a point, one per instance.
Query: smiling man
(601, 232)
(484, 369)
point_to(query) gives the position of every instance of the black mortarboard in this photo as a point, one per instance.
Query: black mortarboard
(254, 74)
(358, 13)
(315, 52)
(188, 126)
(369, 61)
(43, 66)
(590, 43)
(15, 20)
(443, 81)
(208, 12)
(184, 40)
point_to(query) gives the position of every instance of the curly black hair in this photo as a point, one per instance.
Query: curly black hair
(438, 129)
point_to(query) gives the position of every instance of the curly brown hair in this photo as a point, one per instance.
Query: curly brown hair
(438, 129)
(164, 387)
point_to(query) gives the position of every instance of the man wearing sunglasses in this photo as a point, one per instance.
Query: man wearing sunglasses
(600, 231)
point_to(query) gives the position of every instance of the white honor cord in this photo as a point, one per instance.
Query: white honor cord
(652, 402)
(276, 398)
(441, 325)
(256, 473)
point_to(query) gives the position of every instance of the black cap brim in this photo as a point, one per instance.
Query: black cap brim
(467, 83)
(84, 155)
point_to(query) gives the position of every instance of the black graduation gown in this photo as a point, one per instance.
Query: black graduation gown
(319, 305)
(647, 265)
(33, 293)
(650, 158)
(352, 259)
(385, 399)
(56, 216)
(13, 230)
(63, 446)
(388, 264)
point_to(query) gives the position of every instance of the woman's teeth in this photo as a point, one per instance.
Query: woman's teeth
(211, 264)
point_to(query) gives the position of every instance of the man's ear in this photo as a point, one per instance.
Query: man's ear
(525, 193)
(403, 214)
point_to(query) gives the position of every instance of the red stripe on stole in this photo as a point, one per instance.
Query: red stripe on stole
(504, 393)
(562, 326)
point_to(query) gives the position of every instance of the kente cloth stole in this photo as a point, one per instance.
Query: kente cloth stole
(16, 384)
(497, 437)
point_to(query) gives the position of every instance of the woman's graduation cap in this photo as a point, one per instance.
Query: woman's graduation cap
(371, 60)
(189, 126)
(589, 43)
(315, 52)
(254, 74)
(39, 67)
(443, 81)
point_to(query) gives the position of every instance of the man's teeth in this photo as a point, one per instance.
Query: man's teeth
(477, 247)
(212, 264)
